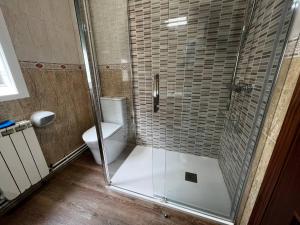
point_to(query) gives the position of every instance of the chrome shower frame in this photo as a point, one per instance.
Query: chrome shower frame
(92, 72)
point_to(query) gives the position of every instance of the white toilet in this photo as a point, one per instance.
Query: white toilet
(114, 129)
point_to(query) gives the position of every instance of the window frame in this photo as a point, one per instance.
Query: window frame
(12, 63)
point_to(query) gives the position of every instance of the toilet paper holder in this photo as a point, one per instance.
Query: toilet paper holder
(42, 118)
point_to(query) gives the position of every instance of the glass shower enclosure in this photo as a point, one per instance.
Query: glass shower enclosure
(196, 77)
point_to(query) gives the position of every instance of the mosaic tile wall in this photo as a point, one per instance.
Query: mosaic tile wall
(258, 66)
(195, 61)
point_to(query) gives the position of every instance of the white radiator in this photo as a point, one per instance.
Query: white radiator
(22, 163)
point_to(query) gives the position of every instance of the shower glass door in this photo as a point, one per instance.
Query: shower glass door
(203, 124)
(190, 68)
(188, 127)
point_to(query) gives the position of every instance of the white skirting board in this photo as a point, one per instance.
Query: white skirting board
(22, 163)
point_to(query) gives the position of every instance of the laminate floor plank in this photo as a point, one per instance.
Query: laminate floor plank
(77, 195)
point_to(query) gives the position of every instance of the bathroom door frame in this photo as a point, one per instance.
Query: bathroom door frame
(90, 62)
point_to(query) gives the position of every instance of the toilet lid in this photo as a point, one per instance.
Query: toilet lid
(108, 129)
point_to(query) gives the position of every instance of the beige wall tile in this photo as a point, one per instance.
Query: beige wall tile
(60, 91)
(261, 169)
(110, 27)
(46, 31)
(43, 30)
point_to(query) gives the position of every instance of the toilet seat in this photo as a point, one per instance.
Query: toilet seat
(108, 129)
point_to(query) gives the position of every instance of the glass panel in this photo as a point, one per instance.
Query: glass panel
(198, 84)
(193, 95)
(209, 143)
(129, 164)
(194, 148)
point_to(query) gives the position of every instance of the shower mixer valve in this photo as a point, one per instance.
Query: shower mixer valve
(241, 87)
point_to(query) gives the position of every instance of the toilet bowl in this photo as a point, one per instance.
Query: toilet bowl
(113, 127)
(114, 142)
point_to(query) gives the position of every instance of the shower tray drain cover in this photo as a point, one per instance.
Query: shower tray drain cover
(191, 177)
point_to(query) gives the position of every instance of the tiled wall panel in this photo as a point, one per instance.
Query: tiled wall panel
(43, 30)
(110, 30)
(195, 62)
(293, 48)
(60, 89)
(258, 65)
(116, 80)
(280, 100)
(111, 36)
(46, 41)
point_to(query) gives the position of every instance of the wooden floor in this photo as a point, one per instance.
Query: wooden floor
(77, 195)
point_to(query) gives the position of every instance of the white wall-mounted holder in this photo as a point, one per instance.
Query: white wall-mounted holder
(42, 118)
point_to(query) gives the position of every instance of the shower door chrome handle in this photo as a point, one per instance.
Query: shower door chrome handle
(156, 93)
